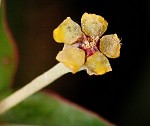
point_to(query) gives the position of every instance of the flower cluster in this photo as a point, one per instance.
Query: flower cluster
(85, 47)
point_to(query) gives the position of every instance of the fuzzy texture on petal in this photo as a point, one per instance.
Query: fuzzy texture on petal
(72, 57)
(97, 64)
(67, 32)
(110, 45)
(93, 25)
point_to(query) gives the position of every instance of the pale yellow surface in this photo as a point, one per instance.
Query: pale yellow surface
(98, 64)
(110, 45)
(72, 57)
(93, 25)
(67, 32)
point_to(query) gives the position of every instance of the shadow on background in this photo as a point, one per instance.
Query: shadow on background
(121, 96)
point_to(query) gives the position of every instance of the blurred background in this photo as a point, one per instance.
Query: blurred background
(121, 96)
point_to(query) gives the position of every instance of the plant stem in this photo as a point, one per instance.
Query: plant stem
(37, 84)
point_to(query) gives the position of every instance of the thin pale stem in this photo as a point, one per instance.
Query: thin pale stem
(32, 87)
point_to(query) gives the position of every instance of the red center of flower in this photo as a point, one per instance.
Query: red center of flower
(88, 44)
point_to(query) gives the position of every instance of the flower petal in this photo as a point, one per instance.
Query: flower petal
(110, 45)
(93, 25)
(67, 32)
(97, 64)
(72, 57)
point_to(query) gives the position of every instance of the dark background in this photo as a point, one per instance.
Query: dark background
(121, 96)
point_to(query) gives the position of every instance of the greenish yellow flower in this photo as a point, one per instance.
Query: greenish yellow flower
(85, 47)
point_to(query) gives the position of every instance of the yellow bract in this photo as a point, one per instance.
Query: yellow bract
(72, 57)
(67, 32)
(110, 45)
(93, 25)
(98, 64)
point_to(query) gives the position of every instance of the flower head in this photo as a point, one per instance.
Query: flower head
(85, 47)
